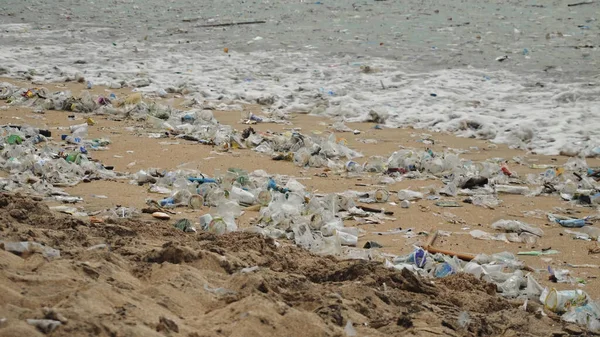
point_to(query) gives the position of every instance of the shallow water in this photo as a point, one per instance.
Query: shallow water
(433, 65)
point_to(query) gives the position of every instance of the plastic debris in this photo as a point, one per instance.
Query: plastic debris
(372, 244)
(349, 329)
(44, 325)
(513, 226)
(27, 247)
(184, 225)
(539, 252)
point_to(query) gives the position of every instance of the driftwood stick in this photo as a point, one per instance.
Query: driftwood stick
(431, 239)
(150, 210)
(430, 248)
(375, 210)
(580, 3)
(231, 24)
(463, 256)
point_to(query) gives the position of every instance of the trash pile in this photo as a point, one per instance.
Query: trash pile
(316, 222)
(483, 182)
(197, 124)
(40, 166)
(286, 209)
(506, 272)
(39, 163)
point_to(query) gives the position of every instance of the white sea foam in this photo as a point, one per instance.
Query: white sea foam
(532, 111)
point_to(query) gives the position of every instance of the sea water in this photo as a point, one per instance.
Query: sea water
(526, 73)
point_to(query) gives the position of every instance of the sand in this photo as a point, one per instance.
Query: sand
(154, 280)
(153, 270)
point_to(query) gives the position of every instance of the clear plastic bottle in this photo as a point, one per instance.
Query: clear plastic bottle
(510, 189)
(242, 196)
(409, 195)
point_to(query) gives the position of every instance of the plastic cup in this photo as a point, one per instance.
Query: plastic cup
(382, 195)
(561, 301)
(264, 197)
(196, 202)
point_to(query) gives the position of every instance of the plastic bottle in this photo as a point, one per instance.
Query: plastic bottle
(242, 196)
(409, 195)
(509, 189)
(571, 223)
(514, 226)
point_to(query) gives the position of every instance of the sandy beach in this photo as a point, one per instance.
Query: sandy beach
(127, 289)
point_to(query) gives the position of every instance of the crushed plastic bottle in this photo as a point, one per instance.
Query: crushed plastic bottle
(409, 195)
(487, 201)
(510, 189)
(514, 226)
